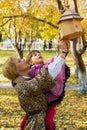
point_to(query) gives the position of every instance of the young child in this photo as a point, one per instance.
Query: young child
(56, 93)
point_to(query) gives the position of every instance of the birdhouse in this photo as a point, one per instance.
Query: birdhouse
(70, 25)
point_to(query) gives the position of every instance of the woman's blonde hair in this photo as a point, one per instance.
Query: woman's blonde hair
(9, 69)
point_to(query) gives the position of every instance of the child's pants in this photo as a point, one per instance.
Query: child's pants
(23, 123)
(50, 117)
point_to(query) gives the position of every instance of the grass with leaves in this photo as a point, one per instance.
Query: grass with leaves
(70, 115)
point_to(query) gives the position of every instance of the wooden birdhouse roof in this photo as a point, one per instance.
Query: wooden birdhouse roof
(70, 14)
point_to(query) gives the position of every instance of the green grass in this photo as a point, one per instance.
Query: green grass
(6, 53)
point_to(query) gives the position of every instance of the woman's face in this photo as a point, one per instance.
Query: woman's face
(36, 59)
(21, 64)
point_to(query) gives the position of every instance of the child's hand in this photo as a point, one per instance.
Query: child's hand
(64, 45)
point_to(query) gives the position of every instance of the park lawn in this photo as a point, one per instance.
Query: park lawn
(70, 115)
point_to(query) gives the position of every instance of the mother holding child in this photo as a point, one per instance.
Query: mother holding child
(35, 86)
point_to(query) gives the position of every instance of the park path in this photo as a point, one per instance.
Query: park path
(68, 86)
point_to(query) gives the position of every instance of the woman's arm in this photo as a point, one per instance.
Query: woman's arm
(42, 81)
(55, 67)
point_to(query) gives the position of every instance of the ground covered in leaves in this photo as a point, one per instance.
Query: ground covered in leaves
(70, 115)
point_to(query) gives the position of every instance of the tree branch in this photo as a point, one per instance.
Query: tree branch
(38, 19)
(5, 22)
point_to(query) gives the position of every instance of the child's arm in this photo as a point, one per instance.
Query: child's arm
(55, 67)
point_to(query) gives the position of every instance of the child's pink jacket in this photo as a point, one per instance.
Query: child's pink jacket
(55, 91)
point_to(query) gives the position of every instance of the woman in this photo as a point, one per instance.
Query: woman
(31, 93)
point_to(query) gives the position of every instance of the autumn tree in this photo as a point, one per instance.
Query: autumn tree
(28, 19)
(77, 53)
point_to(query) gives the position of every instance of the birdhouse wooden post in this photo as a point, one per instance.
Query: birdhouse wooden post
(70, 25)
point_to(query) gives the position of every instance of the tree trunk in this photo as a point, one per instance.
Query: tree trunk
(81, 70)
(19, 50)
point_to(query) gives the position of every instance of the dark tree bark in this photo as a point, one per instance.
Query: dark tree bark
(75, 3)
(60, 6)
